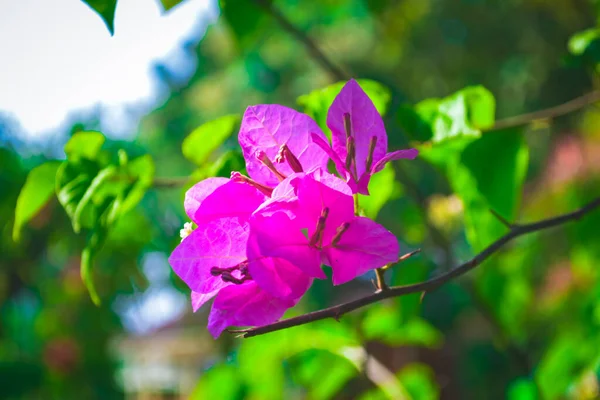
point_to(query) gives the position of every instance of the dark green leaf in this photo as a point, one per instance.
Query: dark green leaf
(168, 4)
(36, 192)
(106, 11)
(490, 175)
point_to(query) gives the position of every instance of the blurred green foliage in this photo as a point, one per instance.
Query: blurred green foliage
(524, 325)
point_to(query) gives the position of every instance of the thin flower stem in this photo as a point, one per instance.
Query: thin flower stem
(426, 286)
(356, 204)
(380, 274)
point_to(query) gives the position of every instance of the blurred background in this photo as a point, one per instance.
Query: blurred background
(524, 325)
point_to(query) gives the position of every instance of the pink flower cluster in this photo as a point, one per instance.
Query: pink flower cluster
(261, 240)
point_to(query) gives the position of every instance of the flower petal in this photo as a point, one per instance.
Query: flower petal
(321, 190)
(266, 128)
(198, 299)
(366, 124)
(219, 243)
(364, 246)
(395, 155)
(197, 193)
(232, 199)
(277, 276)
(278, 235)
(245, 305)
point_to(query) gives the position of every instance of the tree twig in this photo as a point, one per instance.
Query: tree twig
(426, 286)
(312, 48)
(547, 113)
(166, 183)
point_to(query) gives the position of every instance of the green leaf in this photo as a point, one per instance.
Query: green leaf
(220, 382)
(86, 273)
(419, 382)
(245, 18)
(522, 389)
(36, 192)
(566, 359)
(322, 373)
(490, 175)
(84, 144)
(265, 379)
(317, 103)
(106, 11)
(382, 188)
(168, 4)
(416, 382)
(86, 198)
(463, 114)
(579, 42)
(384, 323)
(207, 138)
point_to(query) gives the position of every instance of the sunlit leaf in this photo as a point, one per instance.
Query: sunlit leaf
(462, 114)
(522, 389)
(383, 323)
(579, 42)
(84, 144)
(207, 138)
(322, 373)
(220, 382)
(36, 192)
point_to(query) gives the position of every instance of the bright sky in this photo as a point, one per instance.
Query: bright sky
(57, 57)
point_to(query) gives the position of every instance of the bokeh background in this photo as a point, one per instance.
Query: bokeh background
(524, 325)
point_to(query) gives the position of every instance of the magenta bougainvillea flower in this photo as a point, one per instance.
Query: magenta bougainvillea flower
(213, 260)
(261, 239)
(358, 138)
(276, 141)
(321, 229)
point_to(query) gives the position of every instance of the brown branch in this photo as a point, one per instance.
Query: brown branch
(168, 183)
(427, 286)
(548, 113)
(303, 38)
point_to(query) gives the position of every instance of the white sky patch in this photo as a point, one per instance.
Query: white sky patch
(57, 57)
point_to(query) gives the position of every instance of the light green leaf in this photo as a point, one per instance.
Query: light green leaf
(317, 102)
(384, 323)
(84, 144)
(322, 373)
(463, 114)
(140, 170)
(36, 192)
(579, 42)
(207, 138)
(522, 389)
(90, 191)
(220, 382)
(266, 379)
(419, 382)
